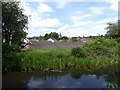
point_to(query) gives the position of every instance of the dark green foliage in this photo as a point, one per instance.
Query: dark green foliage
(113, 30)
(78, 52)
(14, 21)
(13, 24)
(51, 35)
(74, 39)
(54, 35)
(46, 36)
(65, 38)
(12, 62)
(101, 47)
(39, 38)
(6, 49)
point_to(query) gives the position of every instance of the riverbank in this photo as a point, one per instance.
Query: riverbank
(91, 55)
(104, 77)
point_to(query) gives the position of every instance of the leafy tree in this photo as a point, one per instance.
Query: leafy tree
(113, 30)
(74, 39)
(51, 35)
(46, 36)
(14, 22)
(65, 37)
(39, 37)
(54, 35)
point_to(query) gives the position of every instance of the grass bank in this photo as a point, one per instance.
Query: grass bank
(93, 54)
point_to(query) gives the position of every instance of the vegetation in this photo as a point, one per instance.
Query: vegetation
(51, 35)
(78, 52)
(74, 39)
(14, 22)
(64, 38)
(62, 59)
(113, 30)
(38, 38)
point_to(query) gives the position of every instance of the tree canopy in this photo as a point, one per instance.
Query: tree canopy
(51, 35)
(14, 22)
(113, 30)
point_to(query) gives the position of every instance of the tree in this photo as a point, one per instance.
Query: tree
(74, 39)
(113, 30)
(54, 35)
(14, 22)
(51, 35)
(46, 36)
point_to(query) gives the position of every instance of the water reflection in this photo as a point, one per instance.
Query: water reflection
(66, 81)
(104, 77)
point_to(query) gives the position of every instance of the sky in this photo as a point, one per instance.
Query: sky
(68, 17)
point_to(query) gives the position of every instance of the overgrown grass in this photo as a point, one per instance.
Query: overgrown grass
(97, 53)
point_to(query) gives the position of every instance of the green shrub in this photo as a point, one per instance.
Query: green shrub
(77, 52)
(101, 47)
(6, 49)
(74, 39)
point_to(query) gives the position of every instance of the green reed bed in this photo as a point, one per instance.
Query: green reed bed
(91, 55)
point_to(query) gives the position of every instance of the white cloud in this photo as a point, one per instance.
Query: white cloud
(78, 28)
(80, 17)
(44, 8)
(82, 23)
(113, 4)
(26, 8)
(60, 4)
(48, 15)
(99, 27)
(39, 31)
(97, 10)
(71, 31)
(86, 28)
(107, 20)
(48, 22)
(35, 1)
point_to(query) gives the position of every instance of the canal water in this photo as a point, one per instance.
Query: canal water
(105, 77)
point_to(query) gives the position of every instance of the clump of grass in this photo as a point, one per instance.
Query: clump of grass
(78, 52)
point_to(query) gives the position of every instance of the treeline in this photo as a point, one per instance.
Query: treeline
(53, 35)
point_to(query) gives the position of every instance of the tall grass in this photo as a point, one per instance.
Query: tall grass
(98, 53)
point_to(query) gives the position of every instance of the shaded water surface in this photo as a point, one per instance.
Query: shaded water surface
(105, 77)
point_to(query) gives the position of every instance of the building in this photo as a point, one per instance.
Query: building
(85, 40)
(26, 44)
(51, 40)
(60, 35)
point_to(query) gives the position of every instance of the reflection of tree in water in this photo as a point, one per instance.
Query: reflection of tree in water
(109, 85)
(48, 75)
(76, 75)
(110, 74)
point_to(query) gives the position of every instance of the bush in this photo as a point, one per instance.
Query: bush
(74, 39)
(6, 49)
(77, 52)
(101, 47)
